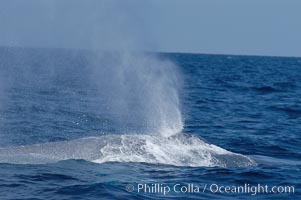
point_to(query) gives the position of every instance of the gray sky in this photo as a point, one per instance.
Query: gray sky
(260, 27)
(257, 27)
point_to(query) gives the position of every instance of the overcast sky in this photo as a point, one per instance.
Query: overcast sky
(257, 27)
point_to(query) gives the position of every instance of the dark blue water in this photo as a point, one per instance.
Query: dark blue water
(248, 105)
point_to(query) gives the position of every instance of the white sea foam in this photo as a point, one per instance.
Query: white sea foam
(179, 150)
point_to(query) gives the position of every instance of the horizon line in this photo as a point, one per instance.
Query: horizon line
(159, 51)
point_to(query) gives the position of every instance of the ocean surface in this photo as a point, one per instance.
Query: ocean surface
(71, 130)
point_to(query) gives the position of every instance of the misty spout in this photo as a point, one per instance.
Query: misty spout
(139, 92)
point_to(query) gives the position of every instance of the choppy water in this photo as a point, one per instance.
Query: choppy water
(57, 133)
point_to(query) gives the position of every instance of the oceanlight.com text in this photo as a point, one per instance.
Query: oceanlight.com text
(165, 189)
